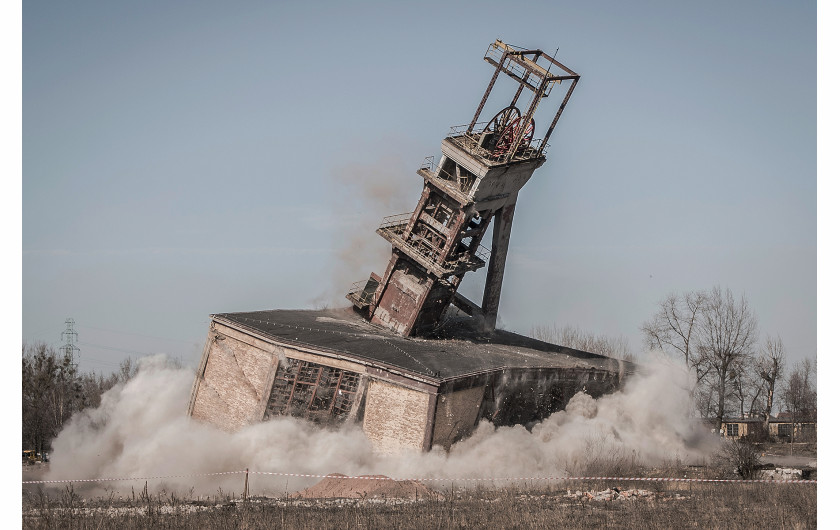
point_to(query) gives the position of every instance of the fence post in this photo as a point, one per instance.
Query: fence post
(245, 493)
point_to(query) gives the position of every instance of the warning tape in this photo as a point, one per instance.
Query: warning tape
(503, 479)
(435, 479)
(130, 478)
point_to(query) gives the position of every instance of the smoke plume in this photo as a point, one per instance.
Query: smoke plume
(141, 430)
(363, 195)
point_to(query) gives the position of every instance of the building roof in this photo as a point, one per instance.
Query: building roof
(461, 350)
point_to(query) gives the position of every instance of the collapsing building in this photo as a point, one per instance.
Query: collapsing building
(414, 361)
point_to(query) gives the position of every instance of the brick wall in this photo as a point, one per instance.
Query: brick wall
(233, 390)
(395, 417)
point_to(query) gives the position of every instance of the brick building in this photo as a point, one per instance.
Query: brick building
(332, 366)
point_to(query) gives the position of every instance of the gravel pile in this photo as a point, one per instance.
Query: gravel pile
(338, 486)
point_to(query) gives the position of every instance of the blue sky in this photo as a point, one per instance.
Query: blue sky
(182, 160)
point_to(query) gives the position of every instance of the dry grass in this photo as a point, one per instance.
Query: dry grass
(525, 506)
(569, 504)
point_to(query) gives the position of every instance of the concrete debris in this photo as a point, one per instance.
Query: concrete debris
(781, 473)
(613, 494)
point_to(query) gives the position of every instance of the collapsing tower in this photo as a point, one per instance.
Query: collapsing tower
(482, 168)
(332, 366)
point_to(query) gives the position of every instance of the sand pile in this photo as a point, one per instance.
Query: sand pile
(338, 486)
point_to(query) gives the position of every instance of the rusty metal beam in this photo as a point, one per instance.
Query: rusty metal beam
(519, 90)
(557, 116)
(335, 394)
(486, 94)
(526, 120)
(536, 53)
(466, 305)
(314, 389)
(292, 393)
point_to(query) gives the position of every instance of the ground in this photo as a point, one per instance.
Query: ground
(332, 503)
(703, 506)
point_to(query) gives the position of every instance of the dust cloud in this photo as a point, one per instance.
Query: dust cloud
(362, 195)
(141, 430)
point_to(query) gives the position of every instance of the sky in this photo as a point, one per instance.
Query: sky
(186, 159)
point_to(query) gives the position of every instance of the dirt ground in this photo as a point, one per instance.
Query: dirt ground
(598, 504)
(374, 502)
(35, 471)
(366, 487)
(790, 455)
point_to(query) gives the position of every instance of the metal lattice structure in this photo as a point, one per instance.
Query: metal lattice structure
(69, 336)
(312, 391)
(476, 180)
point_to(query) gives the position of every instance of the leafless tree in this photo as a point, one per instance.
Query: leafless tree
(673, 329)
(726, 334)
(574, 337)
(53, 390)
(51, 393)
(128, 369)
(770, 366)
(799, 393)
(703, 393)
(747, 388)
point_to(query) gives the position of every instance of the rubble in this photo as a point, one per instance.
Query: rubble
(781, 473)
(338, 486)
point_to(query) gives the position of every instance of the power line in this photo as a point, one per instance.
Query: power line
(116, 349)
(99, 361)
(137, 334)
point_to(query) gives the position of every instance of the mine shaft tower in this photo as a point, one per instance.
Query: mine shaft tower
(477, 179)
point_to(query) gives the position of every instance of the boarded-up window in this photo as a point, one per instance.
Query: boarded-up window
(307, 390)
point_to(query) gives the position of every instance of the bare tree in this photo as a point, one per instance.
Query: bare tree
(770, 366)
(747, 388)
(799, 393)
(51, 393)
(726, 332)
(53, 390)
(128, 369)
(574, 337)
(673, 329)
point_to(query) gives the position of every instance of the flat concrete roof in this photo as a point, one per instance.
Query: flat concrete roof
(461, 350)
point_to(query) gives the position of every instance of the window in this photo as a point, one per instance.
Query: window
(785, 429)
(732, 429)
(319, 393)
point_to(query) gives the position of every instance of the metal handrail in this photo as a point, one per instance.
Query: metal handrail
(470, 141)
(396, 225)
(436, 172)
(357, 291)
(396, 220)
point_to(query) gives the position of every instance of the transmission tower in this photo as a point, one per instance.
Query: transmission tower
(69, 336)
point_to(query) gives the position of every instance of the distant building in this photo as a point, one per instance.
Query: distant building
(785, 427)
(781, 428)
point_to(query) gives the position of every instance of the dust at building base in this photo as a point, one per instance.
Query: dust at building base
(333, 366)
